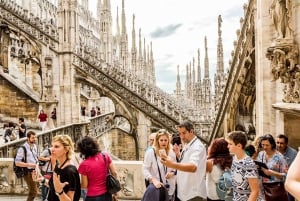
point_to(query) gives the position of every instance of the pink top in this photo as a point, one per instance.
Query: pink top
(94, 168)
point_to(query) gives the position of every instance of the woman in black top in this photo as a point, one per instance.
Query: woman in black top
(65, 182)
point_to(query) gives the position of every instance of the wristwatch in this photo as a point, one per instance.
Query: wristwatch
(60, 193)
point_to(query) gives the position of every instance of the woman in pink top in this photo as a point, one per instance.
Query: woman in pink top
(93, 170)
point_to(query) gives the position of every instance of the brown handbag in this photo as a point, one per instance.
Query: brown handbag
(275, 191)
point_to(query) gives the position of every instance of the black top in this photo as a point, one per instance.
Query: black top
(68, 174)
(22, 134)
(7, 133)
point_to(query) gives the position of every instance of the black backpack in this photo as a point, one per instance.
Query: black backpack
(20, 171)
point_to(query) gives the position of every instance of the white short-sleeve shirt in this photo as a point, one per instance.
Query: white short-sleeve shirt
(192, 184)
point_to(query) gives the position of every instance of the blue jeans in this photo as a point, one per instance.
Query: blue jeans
(104, 197)
(44, 192)
(83, 193)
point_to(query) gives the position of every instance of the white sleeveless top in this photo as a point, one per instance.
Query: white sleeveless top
(211, 180)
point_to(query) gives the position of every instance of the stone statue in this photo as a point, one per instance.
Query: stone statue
(4, 44)
(280, 11)
(279, 69)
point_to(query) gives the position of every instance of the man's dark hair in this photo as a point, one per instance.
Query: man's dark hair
(286, 139)
(188, 125)
(238, 137)
(239, 127)
(30, 133)
(11, 124)
(21, 119)
(250, 150)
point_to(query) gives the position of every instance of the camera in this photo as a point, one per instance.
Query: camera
(42, 163)
(176, 140)
(167, 186)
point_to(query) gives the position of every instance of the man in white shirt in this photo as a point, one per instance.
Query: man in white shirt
(191, 167)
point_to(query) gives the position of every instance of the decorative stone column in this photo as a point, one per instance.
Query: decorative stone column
(283, 66)
(265, 88)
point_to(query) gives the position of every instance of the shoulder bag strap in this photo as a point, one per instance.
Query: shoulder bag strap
(157, 167)
(36, 160)
(25, 153)
(104, 158)
(49, 162)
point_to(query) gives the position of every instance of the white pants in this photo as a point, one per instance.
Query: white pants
(43, 125)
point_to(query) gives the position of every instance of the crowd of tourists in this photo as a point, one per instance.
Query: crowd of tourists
(179, 167)
(13, 131)
(176, 168)
(63, 174)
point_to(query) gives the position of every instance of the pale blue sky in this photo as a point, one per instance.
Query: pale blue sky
(177, 29)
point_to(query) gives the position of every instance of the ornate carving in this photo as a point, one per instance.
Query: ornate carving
(126, 181)
(4, 185)
(119, 86)
(284, 65)
(247, 95)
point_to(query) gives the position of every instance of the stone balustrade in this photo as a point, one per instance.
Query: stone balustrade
(129, 172)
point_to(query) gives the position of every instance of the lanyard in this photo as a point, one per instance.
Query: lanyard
(33, 155)
(182, 153)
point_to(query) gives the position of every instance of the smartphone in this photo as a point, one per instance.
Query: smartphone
(162, 152)
(57, 170)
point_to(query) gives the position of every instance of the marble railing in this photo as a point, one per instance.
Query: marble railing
(94, 127)
(7, 150)
(129, 173)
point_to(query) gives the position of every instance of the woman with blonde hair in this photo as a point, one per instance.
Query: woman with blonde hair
(154, 171)
(64, 183)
